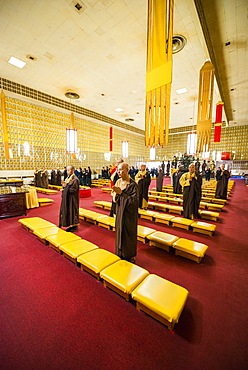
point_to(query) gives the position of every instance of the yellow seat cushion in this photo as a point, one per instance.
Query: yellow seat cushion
(101, 203)
(203, 226)
(161, 296)
(35, 223)
(147, 214)
(215, 207)
(76, 248)
(191, 247)
(43, 232)
(62, 237)
(98, 259)
(174, 209)
(219, 201)
(203, 205)
(124, 275)
(163, 218)
(45, 201)
(182, 221)
(162, 238)
(209, 215)
(143, 231)
(106, 220)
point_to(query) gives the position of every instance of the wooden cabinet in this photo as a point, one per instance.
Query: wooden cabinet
(12, 204)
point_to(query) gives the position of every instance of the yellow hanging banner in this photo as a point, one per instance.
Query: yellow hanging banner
(5, 127)
(158, 71)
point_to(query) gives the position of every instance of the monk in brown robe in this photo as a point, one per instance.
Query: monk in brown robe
(125, 194)
(143, 180)
(191, 183)
(69, 208)
(44, 179)
(222, 177)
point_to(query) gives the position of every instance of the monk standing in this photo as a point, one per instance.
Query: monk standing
(191, 183)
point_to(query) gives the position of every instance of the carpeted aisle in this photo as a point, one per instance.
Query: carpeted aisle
(54, 316)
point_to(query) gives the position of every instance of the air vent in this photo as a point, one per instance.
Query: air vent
(31, 57)
(72, 95)
(178, 43)
(78, 6)
(129, 119)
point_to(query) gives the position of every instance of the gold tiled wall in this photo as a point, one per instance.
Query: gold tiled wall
(45, 132)
(233, 139)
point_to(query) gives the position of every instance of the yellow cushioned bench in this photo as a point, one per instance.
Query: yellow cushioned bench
(183, 223)
(106, 221)
(46, 191)
(97, 260)
(32, 223)
(163, 218)
(143, 232)
(190, 249)
(203, 228)
(76, 248)
(122, 277)
(89, 216)
(214, 207)
(161, 299)
(175, 200)
(203, 205)
(102, 204)
(175, 209)
(162, 240)
(147, 215)
(45, 201)
(106, 190)
(219, 201)
(44, 232)
(62, 237)
(209, 215)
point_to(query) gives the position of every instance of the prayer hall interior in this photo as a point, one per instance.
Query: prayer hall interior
(80, 79)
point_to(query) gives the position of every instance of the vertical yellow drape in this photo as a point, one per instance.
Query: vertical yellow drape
(205, 104)
(159, 71)
(4, 127)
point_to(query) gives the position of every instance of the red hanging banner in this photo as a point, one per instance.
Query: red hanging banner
(111, 139)
(218, 122)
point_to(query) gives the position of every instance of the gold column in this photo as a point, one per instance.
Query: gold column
(5, 127)
(205, 104)
(159, 71)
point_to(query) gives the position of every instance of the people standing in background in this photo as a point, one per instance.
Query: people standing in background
(59, 174)
(125, 195)
(53, 177)
(163, 166)
(212, 168)
(69, 208)
(159, 180)
(191, 183)
(203, 169)
(222, 177)
(168, 169)
(207, 173)
(37, 178)
(88, 177)
(177, 188)
(65, 173)
(197, 165)
(143, 180)
(84, 176)
(132, 172)
(44, 178)
(80, 175)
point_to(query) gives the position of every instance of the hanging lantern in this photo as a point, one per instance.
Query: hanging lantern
(218, 122)
(71, 139)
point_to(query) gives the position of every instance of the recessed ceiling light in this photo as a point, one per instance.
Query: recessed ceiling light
(182, 91)
(16, 62)
(118, 109)
(134, 91)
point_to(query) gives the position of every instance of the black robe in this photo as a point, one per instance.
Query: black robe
(69, 208)
(192, 198)
(37, 179)
(159, 181)
(222, 182)
(58, 179)
(127, 222)
(44, 180)
(143, 186)
(177, 188)
(53, 178)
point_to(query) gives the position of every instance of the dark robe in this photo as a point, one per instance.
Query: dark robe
(177, 188)
(53, 178)
(222, 182)
(113, 205)
(168, 169)
(59, 174)
(127, 222)
(204, 165)
(69, 208)
(143, 186)
(88, 177)
(65, 174)
(197, 166)
(208, 174)
(37, 179)
(192, 198)
(159, 181)
(44, 180)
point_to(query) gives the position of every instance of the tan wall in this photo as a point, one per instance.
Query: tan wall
(45, 131)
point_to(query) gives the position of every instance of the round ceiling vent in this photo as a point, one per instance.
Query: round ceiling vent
(178, 43)
(129, 119)
(72, 95)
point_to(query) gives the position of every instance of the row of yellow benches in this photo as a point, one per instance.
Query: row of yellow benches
(158, 297)
(183, 247)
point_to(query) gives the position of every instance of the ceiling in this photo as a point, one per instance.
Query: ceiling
(100, 53)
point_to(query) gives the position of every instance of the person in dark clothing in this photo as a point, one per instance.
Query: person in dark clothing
(222, 177)
(159, 180)
(58, 177)
(177, 188)
(53, 177)
(197, 166)
(84, 177)
(80, 176)
(65, 173)
(125, 194)
(69, 208)
(143, 179)
(114, 177)
(207, 173)
(88, 177)
(203, 169)
(168, 169)
(191, 184)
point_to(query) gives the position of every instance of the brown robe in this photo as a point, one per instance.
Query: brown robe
(222, 182)
(69, 208)
(44, 180)
(159, 180)
(58, 179)
(191, 195)
(127, 222)
(53, 177)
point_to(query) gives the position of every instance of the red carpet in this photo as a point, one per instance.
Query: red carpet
(54, 316)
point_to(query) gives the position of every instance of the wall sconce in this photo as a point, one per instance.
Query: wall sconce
(71, 141)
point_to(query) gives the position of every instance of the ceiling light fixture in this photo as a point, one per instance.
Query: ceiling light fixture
(72, 95)
(178, 43)
(118, 109)
(134, 91)
(16, 62)
(182, 91)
